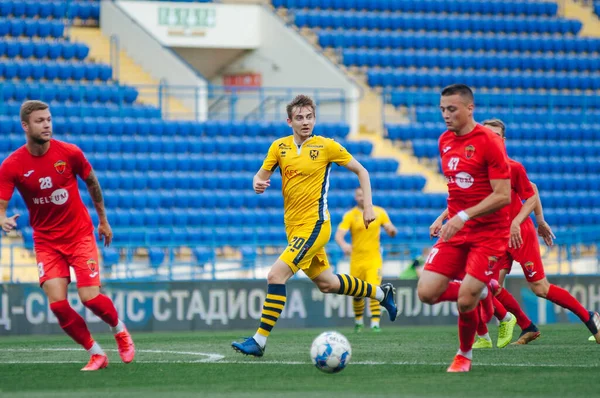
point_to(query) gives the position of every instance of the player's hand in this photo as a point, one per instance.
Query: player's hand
(368, 216)
(347, 249)
(105, 233)
(546, 233)
(450, 229)
(515, 240)
(261, 186)
(10, 223)
(435, 228)
(391, 231)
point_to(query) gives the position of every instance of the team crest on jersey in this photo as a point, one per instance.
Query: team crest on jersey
(60, 166)
(492, 261)
(314, 154)
(469, 151)
(92, 264)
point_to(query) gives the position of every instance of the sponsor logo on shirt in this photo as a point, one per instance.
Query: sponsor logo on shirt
(58, 197)
(28, 173)
(464, 180)
(446, 149)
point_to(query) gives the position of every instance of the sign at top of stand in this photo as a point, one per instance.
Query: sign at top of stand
(199, 25)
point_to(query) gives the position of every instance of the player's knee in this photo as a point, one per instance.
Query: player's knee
(88, 293)
(466, 303)
(427, 296)
(274, 278)
(498, 290)
(326, 286)
(539, 289)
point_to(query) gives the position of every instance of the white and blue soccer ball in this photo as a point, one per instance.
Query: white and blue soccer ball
(331, 352)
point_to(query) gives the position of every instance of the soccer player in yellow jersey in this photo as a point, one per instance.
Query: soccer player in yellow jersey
(305, 162)
(365, 253)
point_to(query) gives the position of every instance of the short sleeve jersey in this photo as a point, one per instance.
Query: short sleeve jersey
(365, 242)
(521, 188)
(48, 185)
(305, 171)
(469, 162)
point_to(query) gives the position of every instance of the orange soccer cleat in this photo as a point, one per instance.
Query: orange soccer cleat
(125, 346)
(96, 362)
(460, 364)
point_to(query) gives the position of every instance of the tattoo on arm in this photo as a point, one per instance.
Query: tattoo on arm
(95, 191)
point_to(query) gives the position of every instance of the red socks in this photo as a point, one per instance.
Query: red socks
(513, 306)
(104, 308)
(451, 293)
(72, 323)
(560, 296)
(499, 309)
(467, 326)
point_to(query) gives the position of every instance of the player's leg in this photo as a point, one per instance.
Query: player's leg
(358, 303)
(373, 276)
(444, 263)
(483, 339)
(274, 303)
(54, 278)
(83, 257)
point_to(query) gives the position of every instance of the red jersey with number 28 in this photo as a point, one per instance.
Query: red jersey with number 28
(469, 162)
(48, 184)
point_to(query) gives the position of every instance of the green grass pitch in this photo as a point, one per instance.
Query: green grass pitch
(399, 362)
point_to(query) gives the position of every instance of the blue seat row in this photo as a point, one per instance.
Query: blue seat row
(239, 180)
(574, 200)
(490, 79)
(520, 131)
(53, 70)
(52, 49)
(198, 161)
(150, 124)
(100, 143)
(236, 199)
(502, 99)
(457, 41)
(31, 27)
(433, 22)
(78, 111)
(457, 60)
(563, 165)
(493, 7)
(63, 92)
(519, 149)
(47, 9)
(521, 115)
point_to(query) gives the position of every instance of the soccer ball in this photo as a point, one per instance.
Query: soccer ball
(330, 352)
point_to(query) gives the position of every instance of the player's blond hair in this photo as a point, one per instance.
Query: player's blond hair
(300, 101)
(29, 107)
(496, 123)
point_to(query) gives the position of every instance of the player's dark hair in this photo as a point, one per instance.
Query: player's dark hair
(300, 101)
(459, 89)
(496, 123)
(29, 107)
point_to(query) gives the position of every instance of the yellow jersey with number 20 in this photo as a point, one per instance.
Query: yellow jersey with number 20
(305, 173)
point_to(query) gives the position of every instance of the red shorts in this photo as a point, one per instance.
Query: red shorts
(469, 253)
(54, 260)
(528, 255)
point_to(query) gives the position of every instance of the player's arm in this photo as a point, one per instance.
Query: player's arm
(95, 191)
(544, 229)
(365, 184)
(261, 180)
(436, 227)
(7, 188)
(340, 235)
(499, 198)
(8, 223)
(525, 191)
(387, 225)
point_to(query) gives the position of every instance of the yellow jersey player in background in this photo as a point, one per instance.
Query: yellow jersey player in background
(365, 253)
(304, 160)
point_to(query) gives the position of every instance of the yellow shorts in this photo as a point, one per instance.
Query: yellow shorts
(306, 248)
(368, 271)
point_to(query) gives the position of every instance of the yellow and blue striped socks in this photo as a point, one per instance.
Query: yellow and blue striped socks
(351, 286)
(271, 311)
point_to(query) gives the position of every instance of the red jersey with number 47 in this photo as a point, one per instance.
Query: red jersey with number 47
(48, 184)
(520, 185)
(469, 162)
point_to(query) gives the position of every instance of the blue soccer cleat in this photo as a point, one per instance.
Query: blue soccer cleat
(249, 347)
(388, 302)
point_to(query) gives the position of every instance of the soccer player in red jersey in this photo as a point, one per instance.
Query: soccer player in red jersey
(476, 168)
(524, 248)
(45, 172)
